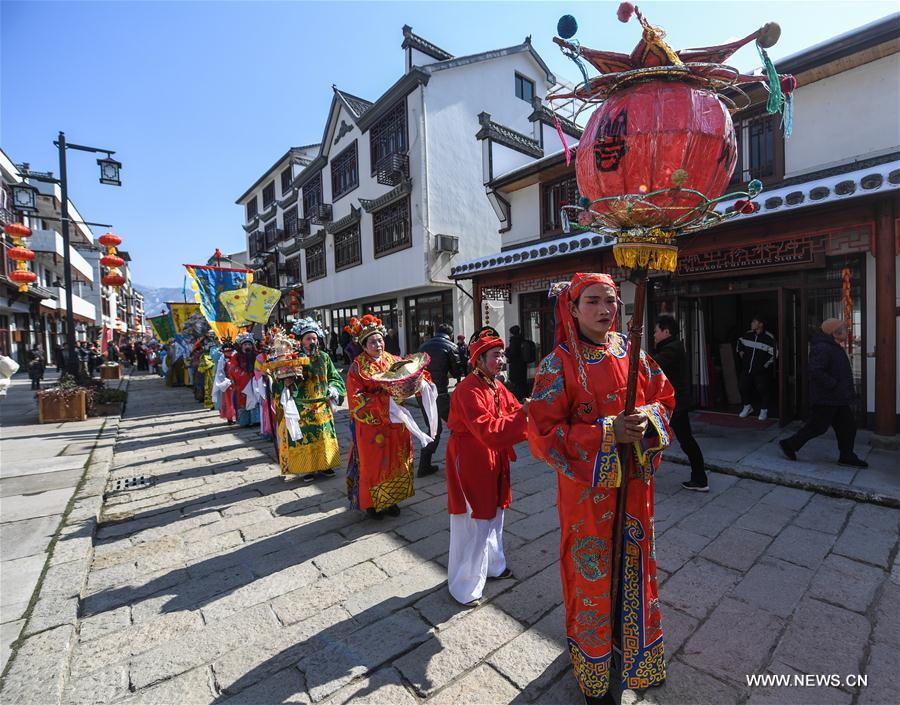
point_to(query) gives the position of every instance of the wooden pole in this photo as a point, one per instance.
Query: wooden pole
(885, 320)
(635, 334)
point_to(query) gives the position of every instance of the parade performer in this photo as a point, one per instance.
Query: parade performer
(486, 421)
(379, 471)
(206, 368)
(307, 439)
(240, 369)
(576, 425)
(261, 386)
(222, 385)
(198, 379)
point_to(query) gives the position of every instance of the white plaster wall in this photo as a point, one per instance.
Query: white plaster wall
(505, 159)
(552, 143)
(525, 206)
(851, 115)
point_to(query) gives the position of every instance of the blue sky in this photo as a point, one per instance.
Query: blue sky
(199, 98)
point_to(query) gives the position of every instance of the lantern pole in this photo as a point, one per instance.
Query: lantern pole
(635, 335)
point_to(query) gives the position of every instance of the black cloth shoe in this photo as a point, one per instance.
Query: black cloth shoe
(695, 486)
(372, 514)
(607, 699)
(327, 473)
(853, 461)
(427, 470)
(392, 511)
(505, 575)
(309, 476)
(789, 452)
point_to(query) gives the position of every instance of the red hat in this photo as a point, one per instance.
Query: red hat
(484, 339)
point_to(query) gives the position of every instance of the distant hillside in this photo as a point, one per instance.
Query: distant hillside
(155, 298)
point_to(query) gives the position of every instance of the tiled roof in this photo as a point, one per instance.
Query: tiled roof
(508, 137)
(414, 41)
(358, 106)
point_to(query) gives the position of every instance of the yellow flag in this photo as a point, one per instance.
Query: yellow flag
(235, 302)
(261, 301)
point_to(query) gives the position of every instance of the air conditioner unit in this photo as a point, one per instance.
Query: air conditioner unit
(446, 243)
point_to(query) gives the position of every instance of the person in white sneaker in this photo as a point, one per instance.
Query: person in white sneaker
(758, 352)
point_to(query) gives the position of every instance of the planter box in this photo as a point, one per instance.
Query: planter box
(74, 408)
(109, 409)
(110, 372)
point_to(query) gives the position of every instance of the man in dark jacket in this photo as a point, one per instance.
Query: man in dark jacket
(830, 393)
(515, 364)
(758, 352)
(670, 356)
(444, 362)
(462, 351)
(36, 366)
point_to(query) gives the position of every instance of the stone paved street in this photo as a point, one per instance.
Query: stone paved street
(222, 583)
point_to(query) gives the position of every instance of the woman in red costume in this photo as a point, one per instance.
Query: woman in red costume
(576, 424)
(486, 421)
(379, 472)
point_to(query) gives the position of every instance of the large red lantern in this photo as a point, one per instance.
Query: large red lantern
(111, 260)
(113, 278)
(20, 255)
(670, 140)
(109, 240)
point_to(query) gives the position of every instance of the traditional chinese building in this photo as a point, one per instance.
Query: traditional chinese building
(823, 243)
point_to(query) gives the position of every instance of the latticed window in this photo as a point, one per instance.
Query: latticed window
(252, 209)
(268, 195)
(312, 195)
(286, 177)
(252, 244)
(271, 234)
(392, 227)
(344, 172)
(315, 261)
(760, 149)
(347, 248)
(388, 135)
(553, 197)
(290, 222)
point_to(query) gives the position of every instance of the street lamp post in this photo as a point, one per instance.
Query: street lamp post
(260, 264)
(109, 174)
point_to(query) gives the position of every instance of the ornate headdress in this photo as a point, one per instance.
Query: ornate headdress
(484, 339)
(308, 325)
(244, 337)
(227, 343)
(362, 328)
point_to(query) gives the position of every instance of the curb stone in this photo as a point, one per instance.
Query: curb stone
(38, 666)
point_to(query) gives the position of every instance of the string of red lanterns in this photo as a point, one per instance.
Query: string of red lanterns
(20, 254)
(111, 260)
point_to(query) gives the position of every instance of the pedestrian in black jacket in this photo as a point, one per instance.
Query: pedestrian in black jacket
(758, 352)
(830, 393)
(670, 356)
(444, 361)
(516, 365)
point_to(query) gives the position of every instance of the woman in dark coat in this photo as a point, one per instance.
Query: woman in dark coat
(830, 393)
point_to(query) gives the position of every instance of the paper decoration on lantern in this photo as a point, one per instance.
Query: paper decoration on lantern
(111, 260)
(657, 154)
(20, 254)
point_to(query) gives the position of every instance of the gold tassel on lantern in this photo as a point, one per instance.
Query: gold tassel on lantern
(647, 249)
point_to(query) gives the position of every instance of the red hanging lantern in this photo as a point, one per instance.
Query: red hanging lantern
(112, 261)
(109, 240)
(113, 278)
(656, 138)
(20, 255)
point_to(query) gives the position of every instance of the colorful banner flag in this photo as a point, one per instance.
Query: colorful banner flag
(261, 301)
(180, 313)
(235, 302)
(162, 327)
(209, 283)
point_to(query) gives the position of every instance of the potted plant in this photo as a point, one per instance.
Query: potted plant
(110, 370)
(67, 401)
(109, 401)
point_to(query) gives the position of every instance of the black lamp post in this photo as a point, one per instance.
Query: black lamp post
(261, 265)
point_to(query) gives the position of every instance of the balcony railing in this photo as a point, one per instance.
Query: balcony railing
(321, 214)
(303, 227)
(7, 216)
(392, 169)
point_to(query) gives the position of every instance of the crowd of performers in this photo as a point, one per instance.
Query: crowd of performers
(289, 386)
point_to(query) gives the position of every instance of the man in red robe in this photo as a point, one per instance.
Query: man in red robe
(486, 421)
(240, 369)
(576, 424)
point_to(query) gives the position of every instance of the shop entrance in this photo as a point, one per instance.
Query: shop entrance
(424, 314)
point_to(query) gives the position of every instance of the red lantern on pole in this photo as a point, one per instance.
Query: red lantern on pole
(20, 254)
(111, 260)
(113, 278)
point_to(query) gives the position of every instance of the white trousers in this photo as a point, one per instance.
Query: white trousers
(476, 552)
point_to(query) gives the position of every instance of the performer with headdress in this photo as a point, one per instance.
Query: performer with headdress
(223, 388)
(486, 421)
(379, 472)
(263, 393)
(206, 368)
(240, 369)
(576, 425)
(307, 439)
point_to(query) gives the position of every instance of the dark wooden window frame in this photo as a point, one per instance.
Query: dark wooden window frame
(268, 194)
(286, 177)
(345, 171)
(252, 209)
(776, 174)
(567, 183)
(347, 248)
(312, 195)
(521, 81)
(316, 267)
(290, 220)
(386, 131)
(393, 214)
(271, 235)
